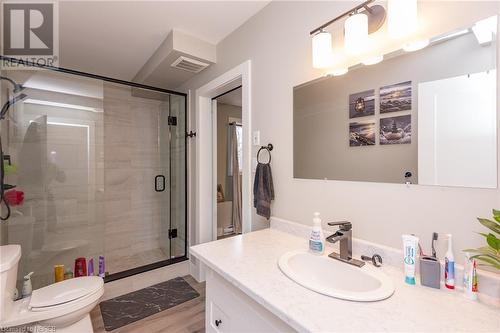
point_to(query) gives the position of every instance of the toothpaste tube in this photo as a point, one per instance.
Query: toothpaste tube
(410, 244)
(470, 277)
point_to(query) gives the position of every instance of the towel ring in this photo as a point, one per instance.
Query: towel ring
(269, 147)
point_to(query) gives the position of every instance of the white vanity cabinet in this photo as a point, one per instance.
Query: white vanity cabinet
(228, 309)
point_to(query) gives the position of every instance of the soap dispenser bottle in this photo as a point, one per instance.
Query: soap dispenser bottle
(317, 239)
(27, 286)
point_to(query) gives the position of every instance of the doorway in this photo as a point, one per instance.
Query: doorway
(228, 130)
(205, 189)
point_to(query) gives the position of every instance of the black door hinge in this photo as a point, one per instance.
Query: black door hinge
(191, 134)
(172, 121)
(172, 233)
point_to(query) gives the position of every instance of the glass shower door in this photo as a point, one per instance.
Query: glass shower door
(170, 183)
(177, 175)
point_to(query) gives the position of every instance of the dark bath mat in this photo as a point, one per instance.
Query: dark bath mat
(126, 309)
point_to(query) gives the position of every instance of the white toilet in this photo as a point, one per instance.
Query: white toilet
(64, 305)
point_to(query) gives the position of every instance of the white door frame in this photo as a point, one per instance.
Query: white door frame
(205, 192)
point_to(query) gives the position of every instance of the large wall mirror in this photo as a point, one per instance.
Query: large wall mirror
(427, 117)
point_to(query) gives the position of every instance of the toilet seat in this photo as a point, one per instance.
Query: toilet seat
(92, 289)
(64, 292)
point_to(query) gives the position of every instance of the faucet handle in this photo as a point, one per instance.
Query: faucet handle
(344, 225)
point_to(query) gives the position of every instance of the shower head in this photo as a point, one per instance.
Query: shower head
(17, 87)
(9, 103)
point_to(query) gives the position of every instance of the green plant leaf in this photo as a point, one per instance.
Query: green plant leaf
(497, 218)
(494, 258)
(489, 261)
(493, 242)
(493, 226)
(496, 212)
(485, 250)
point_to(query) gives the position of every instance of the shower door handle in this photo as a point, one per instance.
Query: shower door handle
(160, 183)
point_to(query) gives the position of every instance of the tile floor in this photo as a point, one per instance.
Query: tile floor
(188, 317)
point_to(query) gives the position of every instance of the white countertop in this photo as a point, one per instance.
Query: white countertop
(250, 262)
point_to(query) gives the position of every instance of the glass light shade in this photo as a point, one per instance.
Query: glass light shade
(485, 29)
(372, 60)
(415, 46)
(338, 71)
(322, 50)
(356, 33)
(401, 17)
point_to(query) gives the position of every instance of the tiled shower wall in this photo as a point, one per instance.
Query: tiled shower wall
(134, 213)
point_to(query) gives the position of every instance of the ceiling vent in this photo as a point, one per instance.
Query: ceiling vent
(189, 64)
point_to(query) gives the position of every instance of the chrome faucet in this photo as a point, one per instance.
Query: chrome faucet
(344, 237)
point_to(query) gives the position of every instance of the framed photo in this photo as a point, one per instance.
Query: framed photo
(362, 134)
(396, 97)
(362, 104)
(395, 130)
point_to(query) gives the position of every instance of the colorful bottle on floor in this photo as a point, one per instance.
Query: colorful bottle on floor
(90, 269)
(80, 267)
(449, 266)
(58, 273)
(68, 274)
(102, 269)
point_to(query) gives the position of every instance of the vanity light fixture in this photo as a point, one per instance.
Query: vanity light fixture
(361, 21)
(338, 71)
(485, 29)
(356, 33)
(415, 46)
(322, 49)
(372, 60)
(402, 18)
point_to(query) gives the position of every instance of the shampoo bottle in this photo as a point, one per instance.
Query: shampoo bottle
(317, 239)
(449, 266)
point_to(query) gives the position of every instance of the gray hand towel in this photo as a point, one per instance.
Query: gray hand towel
(263, 190)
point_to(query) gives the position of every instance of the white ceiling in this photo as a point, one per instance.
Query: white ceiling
(116, 38)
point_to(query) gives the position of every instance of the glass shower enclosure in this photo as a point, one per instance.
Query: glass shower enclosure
(99, 169)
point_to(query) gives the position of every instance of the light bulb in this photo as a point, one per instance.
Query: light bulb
(415, 46)
(401, 17)
(356, 33)
(322, 50)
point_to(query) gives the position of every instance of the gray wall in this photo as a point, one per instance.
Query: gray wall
(281, 60)
(321, 114)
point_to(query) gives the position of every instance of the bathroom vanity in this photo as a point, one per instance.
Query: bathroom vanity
(229, 309)
(247, 292)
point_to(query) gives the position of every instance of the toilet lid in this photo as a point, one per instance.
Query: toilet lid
(65, 291)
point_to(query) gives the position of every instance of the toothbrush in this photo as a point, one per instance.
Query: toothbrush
(434, 238)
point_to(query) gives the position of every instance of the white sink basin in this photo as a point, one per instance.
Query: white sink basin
(334, 278)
